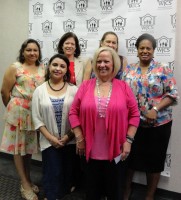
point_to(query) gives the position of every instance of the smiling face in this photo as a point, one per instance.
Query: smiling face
(31, 53)
(110, 41)
(58, 69)
(145, 52)
(105, 65)
(69, 46)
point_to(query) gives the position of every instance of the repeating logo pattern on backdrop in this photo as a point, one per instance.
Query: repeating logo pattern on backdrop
(69, 25)
(83, 44)
(38, 9)
(59, 7)
(81, 5)
(164, 45)
(134, 3)
(165, 2)
(107, 5)
(173, 20)
(118, 23)
(45, 61)
(47, 27)
(130, 45)
(92, 25)
(55, 44)
(147, 22)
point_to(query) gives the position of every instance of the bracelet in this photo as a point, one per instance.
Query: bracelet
(70, 134)
(129, 141)
(156, 109)
(78, 141)
(130, 138)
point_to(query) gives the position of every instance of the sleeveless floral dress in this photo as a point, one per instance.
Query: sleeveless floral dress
(19, 136)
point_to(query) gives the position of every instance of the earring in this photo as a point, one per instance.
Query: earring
(65, 78)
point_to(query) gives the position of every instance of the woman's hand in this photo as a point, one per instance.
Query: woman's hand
(80, 145)
(125, 150)
(151, 116)
(56, 142)
(64, 140)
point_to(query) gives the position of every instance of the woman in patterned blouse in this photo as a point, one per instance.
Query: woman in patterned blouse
(154, 87)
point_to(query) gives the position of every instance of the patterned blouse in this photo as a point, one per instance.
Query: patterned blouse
(151, 88)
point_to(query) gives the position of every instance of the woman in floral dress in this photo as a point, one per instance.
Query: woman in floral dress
(19, 137)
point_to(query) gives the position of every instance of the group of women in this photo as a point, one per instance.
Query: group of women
(119, 119)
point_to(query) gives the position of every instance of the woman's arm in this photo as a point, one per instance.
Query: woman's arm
(125, 63)
(152, 114)
(51, 138)
(129, 140)
(87, 70)
(8, 82)
(80, 141)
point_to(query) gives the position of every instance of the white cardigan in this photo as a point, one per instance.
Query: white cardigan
(43, 112)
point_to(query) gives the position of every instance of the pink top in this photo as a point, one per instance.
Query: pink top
(122, 111)
(100, 144)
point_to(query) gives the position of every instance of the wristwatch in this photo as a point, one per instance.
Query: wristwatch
(156, 109)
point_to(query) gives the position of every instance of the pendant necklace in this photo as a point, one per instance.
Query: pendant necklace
(55, 89)
(102, 109)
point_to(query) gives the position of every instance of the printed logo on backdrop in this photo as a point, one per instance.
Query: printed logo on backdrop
(134, 5)
(83, 45)
(147, 22)
(38, 9)
(167, 166)
(119, 24)
(106, 5)
(92, 25)
(47, 27)
(69, 25)
(40, 43)
(81, 6)
(163, 46)
(130, 45)
(165, 4)
(30, 25)
(59, 7)
(55, 44)
(171, 65)
(45, 61)
(173, 21)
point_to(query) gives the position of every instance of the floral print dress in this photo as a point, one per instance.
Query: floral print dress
(19, 136)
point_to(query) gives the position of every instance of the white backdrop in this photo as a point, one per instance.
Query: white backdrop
(89, 19)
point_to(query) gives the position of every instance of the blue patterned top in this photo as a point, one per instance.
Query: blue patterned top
(58, 106)
(151, 88)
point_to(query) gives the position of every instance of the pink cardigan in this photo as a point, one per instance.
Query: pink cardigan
(122, 111)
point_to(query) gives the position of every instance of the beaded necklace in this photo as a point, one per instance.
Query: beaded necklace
(102, 109)
(55, 89)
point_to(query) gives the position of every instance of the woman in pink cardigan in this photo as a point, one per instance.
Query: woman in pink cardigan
(104, 116)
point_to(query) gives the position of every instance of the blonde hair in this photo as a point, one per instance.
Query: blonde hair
(115, 58)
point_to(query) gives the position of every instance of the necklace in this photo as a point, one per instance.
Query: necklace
(55, 89)
(103, 108)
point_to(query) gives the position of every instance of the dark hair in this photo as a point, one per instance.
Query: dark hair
(108, 33)
(21, 58)
(64, 58)
(64, 38)
(146, 36)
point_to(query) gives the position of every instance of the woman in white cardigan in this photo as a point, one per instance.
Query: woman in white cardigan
(50, 106)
